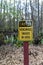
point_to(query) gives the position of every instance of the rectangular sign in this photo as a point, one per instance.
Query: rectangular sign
(25, 33)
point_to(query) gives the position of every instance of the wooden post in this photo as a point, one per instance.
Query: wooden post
(26, 55)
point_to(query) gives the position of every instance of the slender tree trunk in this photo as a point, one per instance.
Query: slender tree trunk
(41, 18)
(1, 11)
(31, 10)
(10, 16)
(3, 20)
(14, 16)
(26, 10)
(38, 19)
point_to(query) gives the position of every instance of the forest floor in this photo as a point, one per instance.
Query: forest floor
(11, 55)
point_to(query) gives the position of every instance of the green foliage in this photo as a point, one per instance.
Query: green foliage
(7, 41)
(19, 43)
(42, 41)
(13, 40)
(1, 38)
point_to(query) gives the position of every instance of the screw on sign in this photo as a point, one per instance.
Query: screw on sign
(25, 33)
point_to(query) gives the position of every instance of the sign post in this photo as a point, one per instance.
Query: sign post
(25, 33)
(26, 56)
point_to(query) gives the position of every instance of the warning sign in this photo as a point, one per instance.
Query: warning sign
(25, 32)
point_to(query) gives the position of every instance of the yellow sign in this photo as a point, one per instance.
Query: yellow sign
(25, 33)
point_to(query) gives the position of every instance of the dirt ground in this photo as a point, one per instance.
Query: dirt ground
(10, 55)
